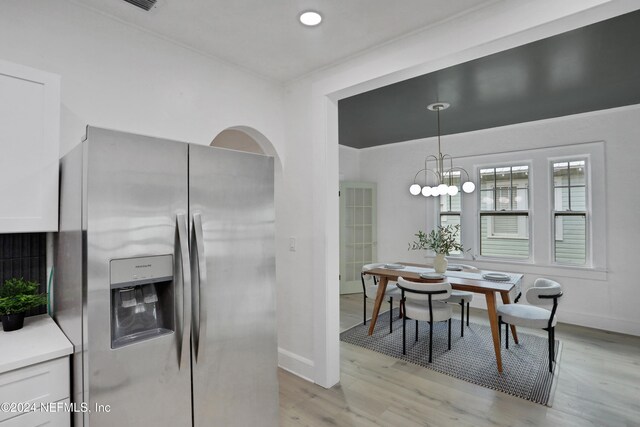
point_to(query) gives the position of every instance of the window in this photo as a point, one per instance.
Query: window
(570, 212)
(504, 211)
(450, 205)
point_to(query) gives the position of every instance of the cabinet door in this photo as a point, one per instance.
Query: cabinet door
(29, 141)
(44, 382)
(358, 232)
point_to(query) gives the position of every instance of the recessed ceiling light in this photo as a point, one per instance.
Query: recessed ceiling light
(310, 18)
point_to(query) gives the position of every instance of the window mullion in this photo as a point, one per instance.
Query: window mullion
(511, 188)
(569, 183)
(495, 190)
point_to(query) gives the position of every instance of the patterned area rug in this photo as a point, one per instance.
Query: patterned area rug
(472, 358)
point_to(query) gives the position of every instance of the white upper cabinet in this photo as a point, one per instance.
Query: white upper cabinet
(29, 144)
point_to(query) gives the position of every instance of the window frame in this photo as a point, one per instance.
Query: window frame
(541, 242)
(510, 163)
(450, 212)
(586, 213)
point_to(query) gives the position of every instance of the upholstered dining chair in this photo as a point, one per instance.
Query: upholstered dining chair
(424, 301)
(370, 289)
(462, 297)
(543, 292)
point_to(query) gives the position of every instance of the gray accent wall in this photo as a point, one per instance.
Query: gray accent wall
(592, 68)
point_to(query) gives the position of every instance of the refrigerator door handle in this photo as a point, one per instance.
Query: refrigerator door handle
(200, 287)
(181, 225)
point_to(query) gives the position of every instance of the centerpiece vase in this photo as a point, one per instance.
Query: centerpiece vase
(440, 263)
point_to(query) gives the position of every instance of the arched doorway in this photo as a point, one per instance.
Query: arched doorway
(237, 140)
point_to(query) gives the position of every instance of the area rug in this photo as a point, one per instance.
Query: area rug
(471, 358)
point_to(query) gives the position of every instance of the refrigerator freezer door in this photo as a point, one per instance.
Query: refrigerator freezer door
(136, 187)
(235, 374)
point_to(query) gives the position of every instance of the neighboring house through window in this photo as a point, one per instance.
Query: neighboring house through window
(570, 212)
(504, 211)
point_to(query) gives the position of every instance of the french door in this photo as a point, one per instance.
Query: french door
(358, 232)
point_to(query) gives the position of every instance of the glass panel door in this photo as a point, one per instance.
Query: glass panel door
(358, 232)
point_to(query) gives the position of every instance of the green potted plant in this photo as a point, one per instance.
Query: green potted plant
(16, 297)
(441, 240)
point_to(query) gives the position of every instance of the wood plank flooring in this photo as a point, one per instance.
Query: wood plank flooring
(598, 385)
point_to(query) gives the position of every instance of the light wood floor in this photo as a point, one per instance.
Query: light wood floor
(598, 385)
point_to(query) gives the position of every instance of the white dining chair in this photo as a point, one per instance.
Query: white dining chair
(424, 301)
(543, 292)
(370, 290)
(462, 298)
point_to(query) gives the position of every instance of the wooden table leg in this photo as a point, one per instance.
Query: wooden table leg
(382, 287)
(507, 300)
(493, 320)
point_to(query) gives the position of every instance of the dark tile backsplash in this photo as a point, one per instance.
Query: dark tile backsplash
(25, 255)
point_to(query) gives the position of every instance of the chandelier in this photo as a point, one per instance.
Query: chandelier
(442, 185)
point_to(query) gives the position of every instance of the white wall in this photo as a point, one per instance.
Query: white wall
(118, 77)
(597, 297)
(349, 167)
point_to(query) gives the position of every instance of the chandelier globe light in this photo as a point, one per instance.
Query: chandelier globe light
(442, 183)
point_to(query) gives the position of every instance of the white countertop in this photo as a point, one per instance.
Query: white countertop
(38, 341)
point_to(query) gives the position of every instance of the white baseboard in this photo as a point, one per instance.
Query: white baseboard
(296, 364)
(622, 326)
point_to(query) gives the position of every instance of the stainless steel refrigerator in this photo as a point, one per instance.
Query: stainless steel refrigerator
(165, 277)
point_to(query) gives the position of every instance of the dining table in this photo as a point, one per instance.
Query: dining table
(463, 278)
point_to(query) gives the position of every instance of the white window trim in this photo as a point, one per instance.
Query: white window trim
(514, 161)
(541, 260)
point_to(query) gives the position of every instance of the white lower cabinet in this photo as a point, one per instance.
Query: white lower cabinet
(37, 419)
(45, 385)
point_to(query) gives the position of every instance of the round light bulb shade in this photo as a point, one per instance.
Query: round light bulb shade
(310, 18)
(468, 187)
(414, 189)
(443, 189)
(427, 191)
(453, 190)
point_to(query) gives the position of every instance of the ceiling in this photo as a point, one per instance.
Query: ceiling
(266, 37)
(591, 68)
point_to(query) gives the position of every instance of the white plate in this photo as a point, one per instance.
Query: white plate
(496, 276)
(394, 266)
(432, 276)
(455, 267)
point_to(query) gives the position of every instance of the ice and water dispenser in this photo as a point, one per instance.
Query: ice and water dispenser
(141, 299)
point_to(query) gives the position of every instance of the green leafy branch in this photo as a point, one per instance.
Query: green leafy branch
(19, 295)
(441, 240)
